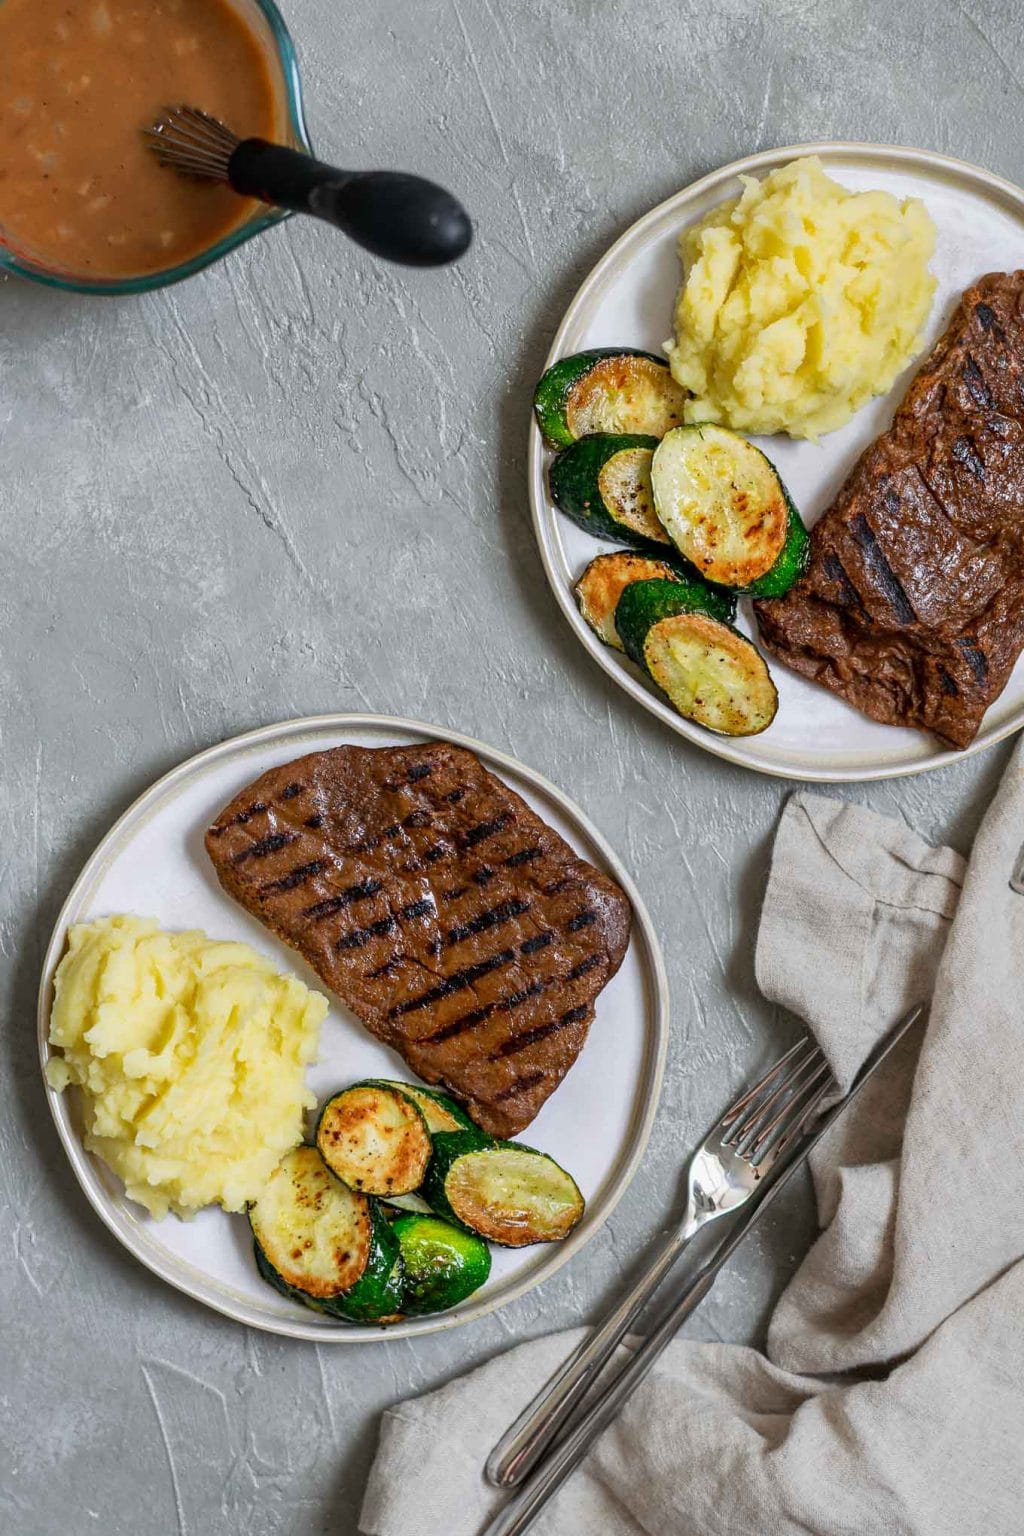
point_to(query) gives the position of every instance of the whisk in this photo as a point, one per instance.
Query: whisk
(400, 217)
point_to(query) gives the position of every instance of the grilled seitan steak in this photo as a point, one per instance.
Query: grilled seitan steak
(459, 927)
(912, 607)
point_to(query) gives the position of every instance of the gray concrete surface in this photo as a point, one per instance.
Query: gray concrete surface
(295, 485)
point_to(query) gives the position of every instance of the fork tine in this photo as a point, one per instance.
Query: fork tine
(770, 1139)
(810, 1113)
(759, 1118)
(758, 1088)
(747, 1116)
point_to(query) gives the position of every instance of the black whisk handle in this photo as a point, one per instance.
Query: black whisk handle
(399, 217)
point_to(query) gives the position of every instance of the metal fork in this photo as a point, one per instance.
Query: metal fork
(726, 1169)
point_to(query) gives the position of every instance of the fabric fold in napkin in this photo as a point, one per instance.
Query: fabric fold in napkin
(891, 1398)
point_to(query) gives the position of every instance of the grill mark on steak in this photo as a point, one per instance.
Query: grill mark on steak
(359, 937)
(988, 322)
(835, 568)
(882, 571)
(457, 982)
(446, 988)
(240, 820)
(967, 454)
(262, 849)
(291, 790)
(585, 967)
(493, 918)
(976, 386)
(524, 856)
(417, 819)
(976, 659)
(295, 877)
(941, 494)
(362, 936)
(582, 920)
(419, 771)
(345, 898)
(514, 1090)
(485, 829)
(467, 1021)
(517, 1043)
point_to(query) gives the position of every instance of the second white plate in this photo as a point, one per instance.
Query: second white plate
(628, 301)
(153, 863)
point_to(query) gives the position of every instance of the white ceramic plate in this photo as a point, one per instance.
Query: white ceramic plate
(628, 300)
(153, 863)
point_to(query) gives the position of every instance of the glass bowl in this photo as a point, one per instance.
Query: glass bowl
(273, 28)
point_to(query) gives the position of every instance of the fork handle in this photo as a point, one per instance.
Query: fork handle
(518, 1515)
(400, 217)
(526, 1440)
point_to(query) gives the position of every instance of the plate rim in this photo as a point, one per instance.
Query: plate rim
(637, 1138)
(542, 516)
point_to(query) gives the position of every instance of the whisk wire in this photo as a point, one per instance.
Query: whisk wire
(192, 142)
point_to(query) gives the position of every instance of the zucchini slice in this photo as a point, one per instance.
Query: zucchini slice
(442, 1263)
(711, 674)
(604, 484)
(725, 508)
(375, 1138)
(600, 589)
(607, 389)
(645, 601)
(318, 1242)
(508, 1193)
(439, 1111)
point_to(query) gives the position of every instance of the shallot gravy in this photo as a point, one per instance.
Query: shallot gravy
(80, 192)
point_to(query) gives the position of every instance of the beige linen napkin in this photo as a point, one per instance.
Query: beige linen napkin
(891, 1399)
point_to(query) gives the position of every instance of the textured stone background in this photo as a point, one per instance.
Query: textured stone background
(295, 485)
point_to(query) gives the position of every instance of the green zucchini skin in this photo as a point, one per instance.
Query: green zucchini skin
(497, 1224)
(645, 603)
(435, 1107)
(442, 1264)
(376, 1292)
(551, 396)
(573, 480)
(792, 562)
(448, 1147)
(377, 1295)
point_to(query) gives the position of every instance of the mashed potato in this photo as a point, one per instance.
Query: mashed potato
(801, 301)
(190, 1055)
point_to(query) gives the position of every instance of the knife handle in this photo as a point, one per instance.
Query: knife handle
(519, 1513)
(524, 1442)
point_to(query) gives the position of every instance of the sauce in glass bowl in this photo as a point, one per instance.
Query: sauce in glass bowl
(80, 192)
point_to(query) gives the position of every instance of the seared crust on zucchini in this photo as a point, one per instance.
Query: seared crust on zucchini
(510, 1194)
(603, 483)
(725, 508)
(374, 1137)
(442, 1263)
(711, 674)
(607, 389)
(602, 584)
(321, 1243)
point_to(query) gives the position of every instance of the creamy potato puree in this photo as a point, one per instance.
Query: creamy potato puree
(801, 301)
(190, 1054)
(79, 80)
